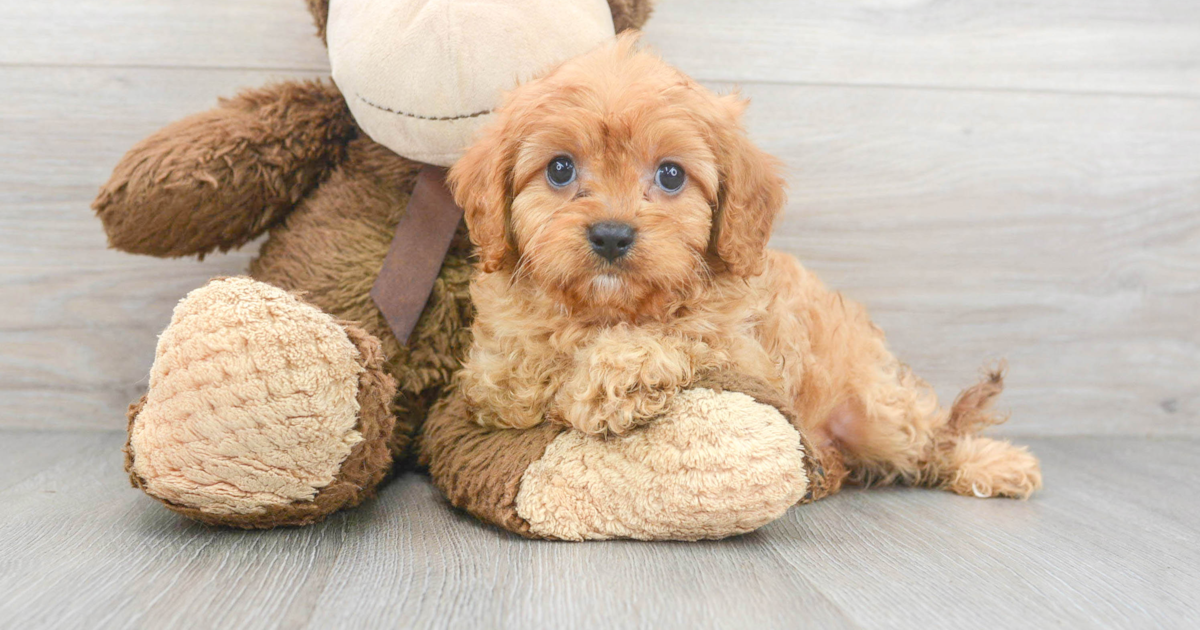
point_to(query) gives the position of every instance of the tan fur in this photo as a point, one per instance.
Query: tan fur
(717, 464)
(561, 333)
(231, 432)
(823, 468)
(361, 472)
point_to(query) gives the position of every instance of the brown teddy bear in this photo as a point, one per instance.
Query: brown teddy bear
(278, 398)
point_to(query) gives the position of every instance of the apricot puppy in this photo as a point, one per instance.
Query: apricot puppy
(621, 217)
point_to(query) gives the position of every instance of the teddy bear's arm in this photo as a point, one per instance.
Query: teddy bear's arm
(216, 180)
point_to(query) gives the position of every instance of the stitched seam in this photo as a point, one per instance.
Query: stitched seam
(418, 116)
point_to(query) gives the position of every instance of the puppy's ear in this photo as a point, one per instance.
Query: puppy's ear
(480, 181)
(750, 196)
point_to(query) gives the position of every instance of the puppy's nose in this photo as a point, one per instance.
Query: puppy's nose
(611, 239)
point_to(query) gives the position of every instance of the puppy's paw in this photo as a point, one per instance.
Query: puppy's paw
(983, 467)
(615, 415)
(628, 377)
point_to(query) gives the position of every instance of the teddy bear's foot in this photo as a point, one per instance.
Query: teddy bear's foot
(262, 410)
(718, 463)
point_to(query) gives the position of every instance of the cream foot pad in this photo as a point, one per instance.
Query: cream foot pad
(253, 405)
(715, 464)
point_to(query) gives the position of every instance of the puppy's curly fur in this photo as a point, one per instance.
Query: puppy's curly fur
(564, 334)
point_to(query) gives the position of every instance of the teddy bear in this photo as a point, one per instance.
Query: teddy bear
(283, 396)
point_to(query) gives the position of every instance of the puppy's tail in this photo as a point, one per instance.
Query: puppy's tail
(972, 410)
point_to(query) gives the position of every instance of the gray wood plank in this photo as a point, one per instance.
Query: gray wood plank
(79, 322)
(1144, 47)
(1085, 553)
(1059, 231)
(272, 34)
(1110, 543)
(1077, 45)
(29, 453)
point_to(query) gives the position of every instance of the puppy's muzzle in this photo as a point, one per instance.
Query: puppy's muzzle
(611, 240)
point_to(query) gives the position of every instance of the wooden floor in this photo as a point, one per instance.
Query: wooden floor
(1112, 543)
(993, 178)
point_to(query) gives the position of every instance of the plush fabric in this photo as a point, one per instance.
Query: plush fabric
(477, 468)
(332, 249)
(218, 179)
(716, 463)
(629, 14)
(823, 467)
(262, 410)
(290, 161)
(421, 76)
(626, 14)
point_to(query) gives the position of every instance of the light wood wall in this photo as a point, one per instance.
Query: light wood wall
(994, 179)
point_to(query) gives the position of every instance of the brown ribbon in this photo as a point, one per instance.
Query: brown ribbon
(415, 257)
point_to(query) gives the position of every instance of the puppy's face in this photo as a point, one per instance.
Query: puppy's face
(619, 186)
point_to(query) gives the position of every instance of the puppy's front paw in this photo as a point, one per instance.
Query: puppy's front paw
(628, 377)
(592, 410)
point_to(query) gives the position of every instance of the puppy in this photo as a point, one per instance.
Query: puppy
(621, 217)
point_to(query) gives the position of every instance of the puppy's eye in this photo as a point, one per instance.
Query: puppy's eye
(670, 177)
(560, 171)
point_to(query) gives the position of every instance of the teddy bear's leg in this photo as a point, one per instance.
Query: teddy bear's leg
(717, 463)
(262, 410)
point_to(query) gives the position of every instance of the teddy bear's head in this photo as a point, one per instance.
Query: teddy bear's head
(420, 76)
